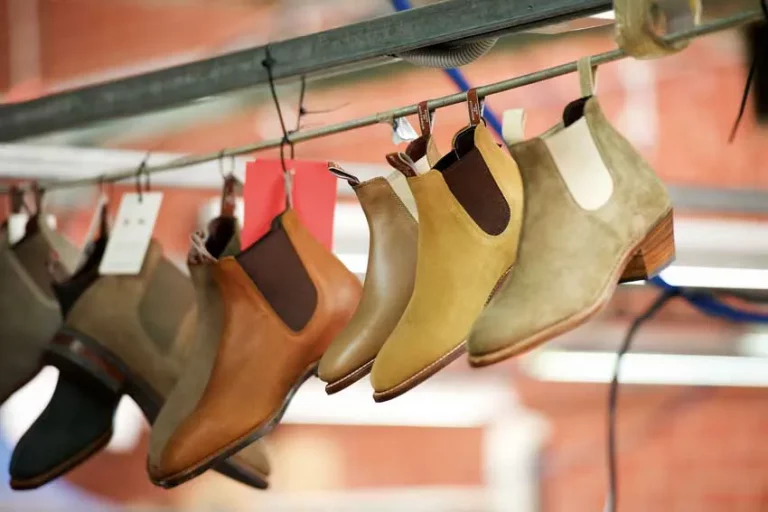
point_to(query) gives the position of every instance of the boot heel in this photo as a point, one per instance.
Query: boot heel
(655, 252)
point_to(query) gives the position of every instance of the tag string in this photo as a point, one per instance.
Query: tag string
(142, 170)
(269, 63)
(748, 85)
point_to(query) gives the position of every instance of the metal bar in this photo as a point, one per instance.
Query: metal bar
(385, 117)
(313, 54)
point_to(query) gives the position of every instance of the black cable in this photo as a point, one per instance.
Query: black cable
(748, 85)
(613, 394)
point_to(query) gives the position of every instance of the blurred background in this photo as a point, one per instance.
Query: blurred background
(528, 435)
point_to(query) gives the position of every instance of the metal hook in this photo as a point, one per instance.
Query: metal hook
(142, 170)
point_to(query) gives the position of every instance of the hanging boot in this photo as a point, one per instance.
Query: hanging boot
(470, 210)
(143, 325)
(275, 308)
(390, 210)
(78, 420)
(29, 313)
(223, 240)
(596, 215)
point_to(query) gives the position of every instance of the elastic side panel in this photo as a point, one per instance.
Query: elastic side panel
(473, 185)
(275, 268)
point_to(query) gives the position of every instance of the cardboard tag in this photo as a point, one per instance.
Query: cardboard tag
(402, 131)
(131, 234)
(313, 191)
(17, 226)
(513, 126)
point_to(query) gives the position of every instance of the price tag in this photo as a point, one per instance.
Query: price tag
(402, 131)
(131, 234)
(17, 226)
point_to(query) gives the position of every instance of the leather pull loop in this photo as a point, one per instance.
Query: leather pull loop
(425, 119)
(475, 107)
(337, 171)
(228, 197)
(403, 163)
(587, 76)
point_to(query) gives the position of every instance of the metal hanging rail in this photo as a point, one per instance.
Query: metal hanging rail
(312, 55)
(386, 117)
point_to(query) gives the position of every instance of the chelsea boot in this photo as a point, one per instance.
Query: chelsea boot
(144, 325)
(274, 309)
(223, 240)
(77, 422)
(390, 211)
(29, 313)
(470, 211)
(596, 214)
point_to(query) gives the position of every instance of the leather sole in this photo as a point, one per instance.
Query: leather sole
(64, 467)
(349, 379)
(422, 375)
(238, 444)
(646, 258)
(150, 403)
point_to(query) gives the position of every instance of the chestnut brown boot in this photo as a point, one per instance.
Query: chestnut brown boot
(596, 214)
(223, 240)
(392, 216)
(143, 325)
(274, 309)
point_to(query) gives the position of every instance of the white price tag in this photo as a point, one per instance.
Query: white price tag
(402, 131)
(17, 226)
(131, 234)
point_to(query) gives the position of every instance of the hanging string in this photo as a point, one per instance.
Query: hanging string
(613, 393)
(269, 63)
(748, 85)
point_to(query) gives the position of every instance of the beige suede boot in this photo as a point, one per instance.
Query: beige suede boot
(596, 214)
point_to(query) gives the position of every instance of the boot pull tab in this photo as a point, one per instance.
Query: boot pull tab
(475, 107)
(513, 126)
(229, 197)
(587, 76)
(337, 171)
(426, 117)
(403, 163)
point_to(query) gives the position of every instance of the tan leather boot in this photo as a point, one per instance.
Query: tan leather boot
(29, 313)
(596, 214)
(392, 218)
(144, 326)
(223, 240)
(470, 211)
(281, 302)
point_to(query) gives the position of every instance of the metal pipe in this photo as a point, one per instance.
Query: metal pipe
(385, 117)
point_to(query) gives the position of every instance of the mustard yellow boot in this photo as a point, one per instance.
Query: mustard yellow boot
(470, 208)
(595, 214)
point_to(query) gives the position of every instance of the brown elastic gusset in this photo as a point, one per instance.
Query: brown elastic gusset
(275, 268)
(220, 232)
(163, 306)
(472, 184)
(574, 111)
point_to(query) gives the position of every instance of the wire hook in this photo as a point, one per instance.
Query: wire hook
(142, 170)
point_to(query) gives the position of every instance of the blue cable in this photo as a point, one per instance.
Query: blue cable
(708, 305)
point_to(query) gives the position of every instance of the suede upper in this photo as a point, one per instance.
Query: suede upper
(568, 255)
(29, 314)
(459, 262)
